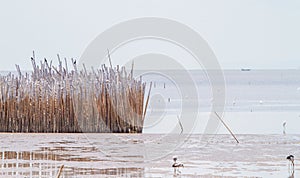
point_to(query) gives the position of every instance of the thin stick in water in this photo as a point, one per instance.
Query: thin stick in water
(180, 124)
(60, 171)
(227, 127)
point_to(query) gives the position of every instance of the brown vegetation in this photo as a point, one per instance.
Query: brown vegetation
(54, 99)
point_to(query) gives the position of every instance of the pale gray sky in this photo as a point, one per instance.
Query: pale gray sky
(262, 34)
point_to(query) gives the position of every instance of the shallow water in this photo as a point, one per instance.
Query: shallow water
(256, 102)
(146, 155)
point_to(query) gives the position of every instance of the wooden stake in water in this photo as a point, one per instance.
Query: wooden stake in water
(226, 127)
(180, 124)
(60, 171)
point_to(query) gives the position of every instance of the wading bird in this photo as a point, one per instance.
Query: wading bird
(176, 165)
(291, 159)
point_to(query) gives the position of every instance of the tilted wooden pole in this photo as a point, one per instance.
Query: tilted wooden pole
(227, 127)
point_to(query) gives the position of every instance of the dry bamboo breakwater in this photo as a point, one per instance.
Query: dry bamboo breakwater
(56, 99)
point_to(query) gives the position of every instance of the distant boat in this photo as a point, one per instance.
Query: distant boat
(245, 69)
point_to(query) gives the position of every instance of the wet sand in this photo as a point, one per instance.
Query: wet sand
(146, 155)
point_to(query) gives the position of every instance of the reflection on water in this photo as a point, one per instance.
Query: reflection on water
(45, 163)
(125, 155)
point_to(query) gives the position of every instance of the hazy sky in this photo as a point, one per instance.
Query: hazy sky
(263, 34)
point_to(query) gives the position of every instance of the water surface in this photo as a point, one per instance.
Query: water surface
(146, 155)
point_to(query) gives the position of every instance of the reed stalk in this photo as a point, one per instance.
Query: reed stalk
(61, 99)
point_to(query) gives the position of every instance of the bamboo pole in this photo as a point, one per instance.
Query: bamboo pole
(60, 171)
(227, 127)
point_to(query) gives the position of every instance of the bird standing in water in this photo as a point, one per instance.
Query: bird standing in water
(291, 159)
(176, 165)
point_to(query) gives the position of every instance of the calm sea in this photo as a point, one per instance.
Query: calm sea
(255, 102)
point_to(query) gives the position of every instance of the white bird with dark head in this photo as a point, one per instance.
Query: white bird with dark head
(176, 165)
(291, 159)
